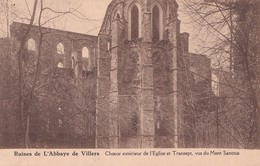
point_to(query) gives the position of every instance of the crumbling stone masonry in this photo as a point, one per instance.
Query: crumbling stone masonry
(137, 73)
(141, 71)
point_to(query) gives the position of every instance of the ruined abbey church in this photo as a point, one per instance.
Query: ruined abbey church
(140, 51)
(140, 71)
(143, 69)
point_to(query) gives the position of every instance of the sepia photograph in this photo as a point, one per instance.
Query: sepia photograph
(129, 74)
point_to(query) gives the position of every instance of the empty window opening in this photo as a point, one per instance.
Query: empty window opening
(156, 23)
(134, 22)
(108, 46)
(118, 16)
(85, 58)
(60, 48)
(85, 52)
(61, 65)
(31, 45)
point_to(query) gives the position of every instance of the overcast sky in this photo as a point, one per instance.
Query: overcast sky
(87, 21)
(90, 17)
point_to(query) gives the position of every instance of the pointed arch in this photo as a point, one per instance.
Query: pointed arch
(31, 45)
(85, 52)
(60, 65)
(85, 58)
(60, 48)
(157, 22)
(134, 21)
(117, 15)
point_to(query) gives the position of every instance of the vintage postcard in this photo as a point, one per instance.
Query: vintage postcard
(160, 81)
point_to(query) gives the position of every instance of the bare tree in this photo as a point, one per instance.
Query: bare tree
(232, 31)
(36, 88)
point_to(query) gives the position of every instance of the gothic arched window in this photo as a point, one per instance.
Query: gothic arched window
(31, 45)
(156, 23)
(60, 48)
(85, 52)
(118, 16)
(85, 58)
(134, 22)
